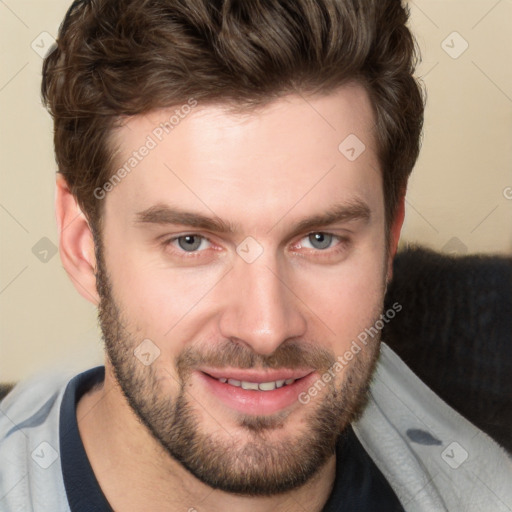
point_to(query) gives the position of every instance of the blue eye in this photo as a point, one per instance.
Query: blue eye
(320, 240)
(189, 243)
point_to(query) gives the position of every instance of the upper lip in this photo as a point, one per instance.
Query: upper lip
(257, 376)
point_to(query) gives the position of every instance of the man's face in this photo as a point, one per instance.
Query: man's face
(250, 251)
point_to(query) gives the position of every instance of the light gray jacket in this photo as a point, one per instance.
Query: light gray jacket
(434, 459)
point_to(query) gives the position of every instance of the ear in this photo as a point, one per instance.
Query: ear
(76, 243)
(394, 234)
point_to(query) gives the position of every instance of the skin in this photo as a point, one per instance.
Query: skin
(264, 173)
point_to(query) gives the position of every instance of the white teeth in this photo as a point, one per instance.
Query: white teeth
(249, 385)
(267, 386)
(255, 386)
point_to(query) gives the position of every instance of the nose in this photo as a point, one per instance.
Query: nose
(262, 310)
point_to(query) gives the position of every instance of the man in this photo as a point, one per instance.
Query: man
(230, 194)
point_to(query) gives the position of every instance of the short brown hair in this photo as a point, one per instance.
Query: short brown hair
(117, 58)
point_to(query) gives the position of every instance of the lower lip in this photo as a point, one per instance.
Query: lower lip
(257, 402)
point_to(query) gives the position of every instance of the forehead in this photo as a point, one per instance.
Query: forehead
(298, 152)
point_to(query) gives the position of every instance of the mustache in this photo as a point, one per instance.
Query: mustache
(228, 353)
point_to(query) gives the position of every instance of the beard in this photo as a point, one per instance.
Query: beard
(247, 461)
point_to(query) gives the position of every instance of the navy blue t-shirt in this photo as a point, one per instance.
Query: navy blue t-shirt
(359, 484)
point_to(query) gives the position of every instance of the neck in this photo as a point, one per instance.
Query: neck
(134, 470)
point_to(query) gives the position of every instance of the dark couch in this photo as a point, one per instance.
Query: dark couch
(455, 332)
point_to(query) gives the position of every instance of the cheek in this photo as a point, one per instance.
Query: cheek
(346, 299)
(160, 303)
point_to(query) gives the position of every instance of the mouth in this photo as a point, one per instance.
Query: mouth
(255, 392)
(257, 386)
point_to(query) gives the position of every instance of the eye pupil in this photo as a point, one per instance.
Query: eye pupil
(320, 240)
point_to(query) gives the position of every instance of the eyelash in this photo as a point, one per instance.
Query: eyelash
(342, 244)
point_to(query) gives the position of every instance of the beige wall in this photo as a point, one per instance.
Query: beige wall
(458, 190)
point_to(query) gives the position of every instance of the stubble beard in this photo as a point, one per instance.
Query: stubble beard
(247, 461)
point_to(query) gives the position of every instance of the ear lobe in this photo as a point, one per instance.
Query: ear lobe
(76, 243)
(394, 234)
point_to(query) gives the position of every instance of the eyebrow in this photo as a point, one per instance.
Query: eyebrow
(164, 214)
(352, 211)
